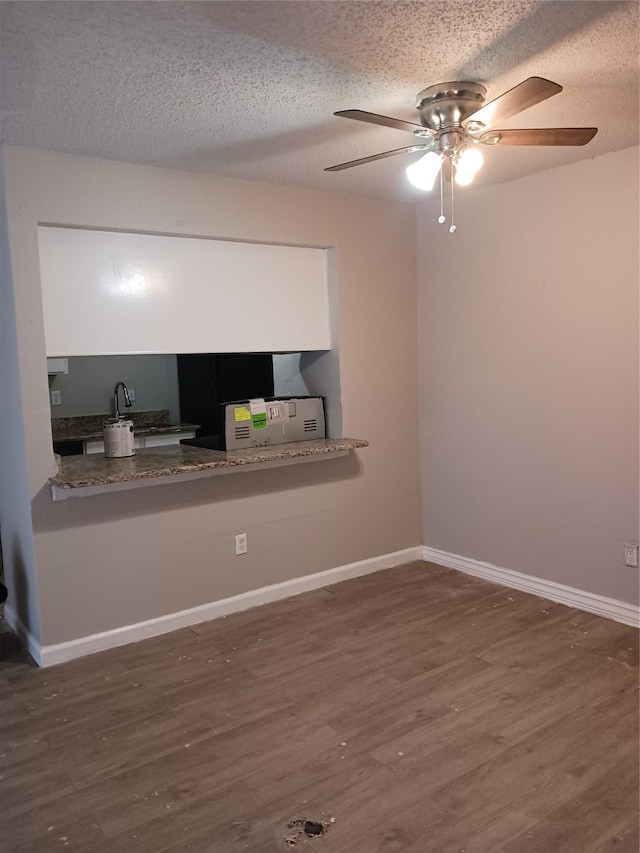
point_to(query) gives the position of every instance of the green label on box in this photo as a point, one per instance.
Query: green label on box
(259, 420)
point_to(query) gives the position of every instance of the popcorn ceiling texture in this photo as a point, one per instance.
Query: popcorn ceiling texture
(248, 89)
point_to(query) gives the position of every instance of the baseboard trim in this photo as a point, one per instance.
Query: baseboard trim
(611, 608)
(61, 652)
(21, 631)
(49, 655)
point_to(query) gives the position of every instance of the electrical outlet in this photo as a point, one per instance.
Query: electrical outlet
(631, 554)
(132, 394)
(56, 398)
(241, 544)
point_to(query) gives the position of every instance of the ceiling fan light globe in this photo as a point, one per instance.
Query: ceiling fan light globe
(464, 176)
(471, 159)
(423, 173)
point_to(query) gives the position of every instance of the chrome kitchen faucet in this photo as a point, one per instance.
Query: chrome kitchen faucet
(127, 399)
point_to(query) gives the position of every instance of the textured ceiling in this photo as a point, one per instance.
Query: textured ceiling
(248, 88)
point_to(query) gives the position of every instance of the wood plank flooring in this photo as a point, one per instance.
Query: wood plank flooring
(415, 710)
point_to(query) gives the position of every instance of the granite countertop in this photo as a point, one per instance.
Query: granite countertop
(89, 427)
(96, 470)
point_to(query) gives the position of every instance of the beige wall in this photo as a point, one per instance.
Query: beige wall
(529, 375)
(116, 559)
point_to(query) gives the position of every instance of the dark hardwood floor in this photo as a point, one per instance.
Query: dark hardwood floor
(415, 710)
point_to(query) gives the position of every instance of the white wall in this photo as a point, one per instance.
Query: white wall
(116, 559)
(529, 375)
(126, 290)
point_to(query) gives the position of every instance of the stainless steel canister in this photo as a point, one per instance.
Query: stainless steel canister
(118, 438)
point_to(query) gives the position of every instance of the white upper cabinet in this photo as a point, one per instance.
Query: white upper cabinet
(107, 292)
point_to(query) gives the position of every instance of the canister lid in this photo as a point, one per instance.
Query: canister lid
(111, 422)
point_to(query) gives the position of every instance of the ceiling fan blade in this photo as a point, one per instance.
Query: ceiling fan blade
(385, 121)
(531, 91)
(541, 136)
(408, 150)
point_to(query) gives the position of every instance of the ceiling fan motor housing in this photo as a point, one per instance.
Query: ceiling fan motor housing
(446, 105)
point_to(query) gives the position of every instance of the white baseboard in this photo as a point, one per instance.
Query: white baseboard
(50, 655)
(60, 652)
(611, 608)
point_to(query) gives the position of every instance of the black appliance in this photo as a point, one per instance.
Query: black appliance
(206, 381)
(68, 448)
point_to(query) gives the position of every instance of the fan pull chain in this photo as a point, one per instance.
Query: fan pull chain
(441, 218)
(452, 227)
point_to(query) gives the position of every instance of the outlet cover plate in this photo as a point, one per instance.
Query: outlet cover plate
(631, 554)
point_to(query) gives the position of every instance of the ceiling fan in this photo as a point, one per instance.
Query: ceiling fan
(455, 122)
